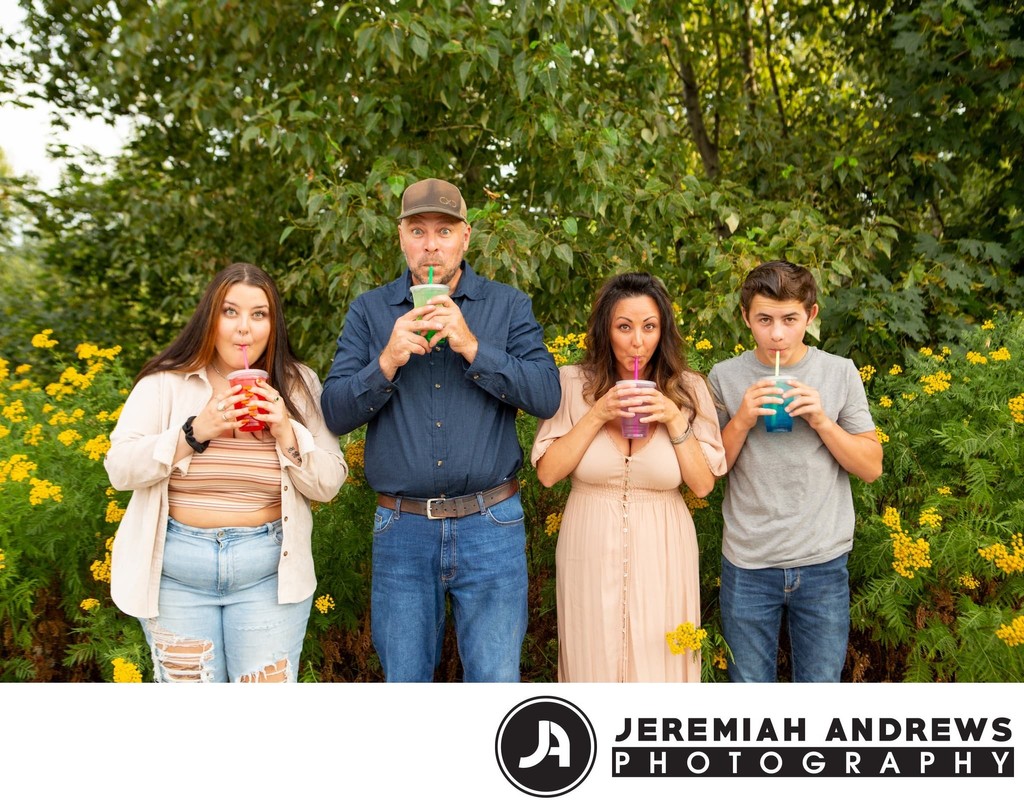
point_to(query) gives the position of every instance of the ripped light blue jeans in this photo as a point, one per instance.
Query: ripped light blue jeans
(219, 617)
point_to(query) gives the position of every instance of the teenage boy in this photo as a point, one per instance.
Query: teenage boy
(788, 509)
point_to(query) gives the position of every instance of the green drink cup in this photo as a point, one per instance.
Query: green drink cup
(422, 294)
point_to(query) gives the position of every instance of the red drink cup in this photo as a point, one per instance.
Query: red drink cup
(247, 378)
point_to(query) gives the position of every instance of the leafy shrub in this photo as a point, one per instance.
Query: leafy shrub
(937, 570)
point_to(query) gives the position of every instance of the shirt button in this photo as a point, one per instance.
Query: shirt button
(476, 376)
(387, 389)
(285, 553)
(286, 488)
(440, 462)
(437, 386)
(371, 409)
(285, 519)
(437, 424)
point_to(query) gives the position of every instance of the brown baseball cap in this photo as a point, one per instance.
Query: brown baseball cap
(433, 196)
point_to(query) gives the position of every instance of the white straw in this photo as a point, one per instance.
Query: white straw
(776, 363)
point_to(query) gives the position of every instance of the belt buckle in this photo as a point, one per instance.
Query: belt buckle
(430, 503)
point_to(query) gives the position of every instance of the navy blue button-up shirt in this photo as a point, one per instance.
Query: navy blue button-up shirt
(441, 427)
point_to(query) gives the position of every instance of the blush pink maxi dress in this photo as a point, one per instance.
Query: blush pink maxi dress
(626, 559)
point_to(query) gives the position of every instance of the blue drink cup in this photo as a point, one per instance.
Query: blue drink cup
(632, 427)
(779, 420)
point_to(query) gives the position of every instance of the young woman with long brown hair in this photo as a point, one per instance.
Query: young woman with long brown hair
(213, 554)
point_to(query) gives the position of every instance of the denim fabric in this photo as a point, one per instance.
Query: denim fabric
(815, 600)
(219, 617)
(480, 562)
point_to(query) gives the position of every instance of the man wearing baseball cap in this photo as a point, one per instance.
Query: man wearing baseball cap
(438, 387)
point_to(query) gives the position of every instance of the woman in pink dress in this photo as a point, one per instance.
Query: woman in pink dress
(626, 561)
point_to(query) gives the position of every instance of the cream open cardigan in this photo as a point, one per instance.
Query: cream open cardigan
(141, 460)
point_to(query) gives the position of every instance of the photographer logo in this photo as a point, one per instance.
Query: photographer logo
(545, 746)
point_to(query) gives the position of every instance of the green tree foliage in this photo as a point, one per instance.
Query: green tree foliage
(876, 142)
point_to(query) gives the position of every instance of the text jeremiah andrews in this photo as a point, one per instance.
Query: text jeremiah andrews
(795, 729)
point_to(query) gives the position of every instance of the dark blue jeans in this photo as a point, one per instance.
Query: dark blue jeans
(480, 561)
(816, 602)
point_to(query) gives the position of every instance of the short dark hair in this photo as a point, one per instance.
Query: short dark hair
(780, 280)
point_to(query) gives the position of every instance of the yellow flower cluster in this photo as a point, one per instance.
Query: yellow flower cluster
(4, 369)
(552, 523)
(3, 557)
(34, 435)
(891, 519)
(355, 454)
(16, 468)
(885, 402)
(42, 339)
(867, 373)
(68, 436)
(61, 418)
(988, 325)
(693, 502)
(968, 581)
(909, 554)
(101, 569)
(976, 358)
(1001, 355)
(562, 347)
(936, 382)
(908, 396)
(738, 349)
(930, 517)
(1016, 405)
(97, 447)
(926, 351)
(89, 604)
(882, 437)
(324, 604)
(719, 660)
(15, 411)
(71, 380)
(704, 345)
(945, 490)
(125, 671)
(686, 637)
(895, 370)
(43, 490)
(87, 350)
(1008, 560)
(21, 370)
(103, 415)
(4, 431)
(1012, 634)
(114, 512)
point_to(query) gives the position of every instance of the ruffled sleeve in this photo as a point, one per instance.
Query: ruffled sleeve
(551, 429)
(706, 429)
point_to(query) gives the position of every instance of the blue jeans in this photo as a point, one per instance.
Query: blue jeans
(479, 561)
(816, 603)
(219, 617)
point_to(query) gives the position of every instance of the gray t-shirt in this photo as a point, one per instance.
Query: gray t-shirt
(787, 501)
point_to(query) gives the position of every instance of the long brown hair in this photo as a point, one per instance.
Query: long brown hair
(194, 347)
(668, 364)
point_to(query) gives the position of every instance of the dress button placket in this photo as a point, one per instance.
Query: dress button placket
(625, 569)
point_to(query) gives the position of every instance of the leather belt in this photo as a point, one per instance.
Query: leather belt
(450, 507)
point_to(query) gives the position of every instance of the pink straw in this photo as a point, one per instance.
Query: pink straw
(636, 368)
(245, 356)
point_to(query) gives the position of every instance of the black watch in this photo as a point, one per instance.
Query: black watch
(190, 439)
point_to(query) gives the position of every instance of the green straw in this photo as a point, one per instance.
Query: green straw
(430, 276)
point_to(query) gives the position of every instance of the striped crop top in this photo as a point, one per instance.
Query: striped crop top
(233, 474)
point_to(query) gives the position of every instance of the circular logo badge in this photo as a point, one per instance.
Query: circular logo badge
(546, 746)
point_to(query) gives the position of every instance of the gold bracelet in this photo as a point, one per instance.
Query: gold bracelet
(681, 438)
